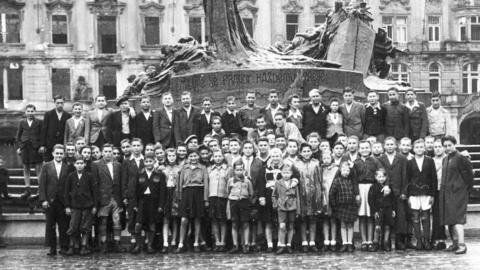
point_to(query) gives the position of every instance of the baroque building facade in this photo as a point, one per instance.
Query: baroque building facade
(47, 46)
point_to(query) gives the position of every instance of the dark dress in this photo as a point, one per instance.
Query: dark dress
(342, 199)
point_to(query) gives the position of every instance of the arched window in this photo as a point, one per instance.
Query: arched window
(400, 72)
(434, 77)
(470, 78)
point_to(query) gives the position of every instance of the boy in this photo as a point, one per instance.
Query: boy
(234, 152)
(438, 231)
(77, 126)
(287, 129)
(263, 150)
(240, 193)
(352, 148)
(405, 147)
(150, 149)
(230, 119)
(313, 139)
(281, 142)
(51, 189)
(418, 116)
(429, 146)
(338, 152)
(80, 202)
(79, 142)
(217, 132)
(420, 190)
(202, 124)
(225, 145)
(286, 200)
(377, 149)
(374, 117)
(260, 131)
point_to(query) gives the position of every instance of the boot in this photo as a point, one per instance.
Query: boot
(399, 242)
(150, 236)
(70, 250)
(425, 218)
(117, 247)
(84, 251)
(417, 228)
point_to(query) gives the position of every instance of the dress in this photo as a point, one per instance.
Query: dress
(310, 187)
(342, 199)
(172, 174)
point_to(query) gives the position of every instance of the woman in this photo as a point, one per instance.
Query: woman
(457, 179)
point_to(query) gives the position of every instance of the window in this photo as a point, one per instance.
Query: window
(396, 28)
(401, 26)
(463, 28)
(107, 34)
(61, 82)
(475, 28)
(469, 28)
(470, 78)
(108, 82)
(10, 28)
(248, 22)
(14, 82)
(320, 19)
(434, 75)
(387, 22)
(434, 28)
(59, 29)
(400, 72)
(196, 26)
(292, 26)
(152, 30)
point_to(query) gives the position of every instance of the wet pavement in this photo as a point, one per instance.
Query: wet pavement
(35, 258)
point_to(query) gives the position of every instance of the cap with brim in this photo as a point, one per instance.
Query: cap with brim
(121, 99)
(189, 138)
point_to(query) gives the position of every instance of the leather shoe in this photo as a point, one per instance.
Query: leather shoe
(281, 250)
(440, 246)
(150, 249)
(84, 251)
(52, 252)
(350, 248)
(452, 247)
(344, 248)
(462, 249)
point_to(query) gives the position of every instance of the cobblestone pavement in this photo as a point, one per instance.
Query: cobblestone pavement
(35, 258)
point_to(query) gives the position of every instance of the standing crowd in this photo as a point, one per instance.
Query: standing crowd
(250, 179)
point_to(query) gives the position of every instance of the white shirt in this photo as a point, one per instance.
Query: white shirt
(410, 107)
(59, 115)
(125, 123)
(272, 110)
(335, 117)
(419, 162)
(79, 175)
(188, 110)
(390, 158)
(100, 114)
(29, 122)
(169, 113)
(248, 163)
(316, 108)
(207, 115)
(76, 121)
(137, 159)
(58, 168)
(146, 114)
(295, 113)
(348, 107)
(110, 168)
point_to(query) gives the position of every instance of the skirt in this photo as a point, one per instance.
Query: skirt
(346, 212)
(30, 155)
(148, 210)
(364, 210)
(217, 209)
(171, 204)
(192, 204)
(266, 213)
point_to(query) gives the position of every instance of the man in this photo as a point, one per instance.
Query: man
(287, 129)
(231, 121)
(98, 119)
(107, 174)
(248, 114)
(353, 114)
(271, 109)
(163, 122)
(143, 122)
(260, 131)
(374, 117)
(438, 118)
(397, 122)
(77, 125)
(51, 194)
(53, 128)
(120, 125)
(184, 117)
(315, 115)
(418, 117)
(438, 231)
(202, 124)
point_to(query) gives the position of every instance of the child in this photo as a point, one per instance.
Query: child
(294, 114)
(263, 150)
(205, 155)
(170, 214)
(149, 197)
(429, 146)
(405, 147)
(382, 204)
(377, 149)
(329, 170)
(230, 120)
(77, 125)
(181, 153)
(225, 144)
(193, 191)
(28, 143)
(292, 152)
(271, 139)
(338, 152)
(334, 122)
(218, 175)
(117, 154)
(281, 142)
(79, 143)
(420, 190)
(342, 138)
(234, 152)
(149, 149)
(313, 139)
(217, 131)
(311, 199)
(159, 158)
(96, 153)
(371, 139)
(324, 146)
(80, 202)
(344, 201)
(286, 201)
(352, 149)
(240, 193)
(214, 145)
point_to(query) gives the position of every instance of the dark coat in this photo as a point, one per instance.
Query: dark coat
(269, 117)
(130, 173)
(53, 130)
(80, 193)
(157, 185)
(143, 128)
(183, 126)
(107, 187)
(397, 122)
(418, 118)
(377, 200)
(231, 123)
(51, 187)
(457, 180)
(163, 128)
(114, 125)
(314, 122)
(201, 126)
(354, 121)
(257, 172)
(26, 134)
(421, 182)
(375, 120)
(364, 171)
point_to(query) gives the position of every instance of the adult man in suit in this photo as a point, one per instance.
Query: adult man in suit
(163, 122)
(106, 173)
(143, 122)
(98, 120)
(397, 123)
(120, 125)
(77, 125)
(353, 114)
(51, 194)
(315, 115)
(418, 117)
(53, 128)
(184, 117)
(202, 125)
(271, 109)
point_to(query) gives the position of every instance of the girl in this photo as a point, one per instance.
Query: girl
(325, 146)
(311, 198)
(338, 152)
(159, 158)
(181, 154)
(329, 170)
(170, 215)
(294, 114)
(117, 155)
(86, 153)
(96, 153)
(334, 122)
(193, 191)
(344, 201)
(292, 152)
(218, 175)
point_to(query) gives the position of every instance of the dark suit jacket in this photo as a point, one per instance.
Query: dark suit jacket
(269, 117)
(53, 130)
(183, 125)
(157, 185)
(51, 187)
(314, 122)
(354, 121)
(143, 128)
(201, 126)
(397, 123)
(82, 130)
(396, 172)
(163, 128)
(231, 123)
(114, 126)
(129, 177)
(80, 193)
(107, 186)
(418, 121)
(257, 172)
(421, 182)
(30, 134)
